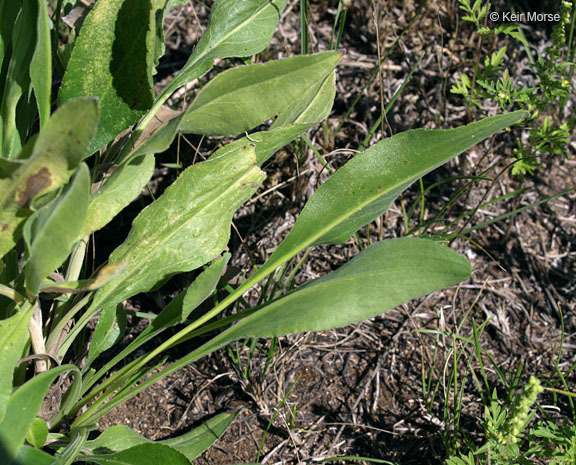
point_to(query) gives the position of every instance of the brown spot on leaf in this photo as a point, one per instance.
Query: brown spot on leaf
(4, 227)
(35, 184)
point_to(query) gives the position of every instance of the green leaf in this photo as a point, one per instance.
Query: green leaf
(109, 330)
(118, 70)
(175, 3)
(142, 454)
(266, 143)
(17, 80)
(13, 338)
(312, 108)
(155, 37)
(366, 186)
(41, 63)
(191, 444)
(381, 277)
(237, 28)
(115, 439)
(38, 433)
(52, 231)
(54, 156)
(21, 409)
(185, 228)
(356, 194)
(30, 456)
(69, 454)
(176, 312)
(117, 191)
(239, 99)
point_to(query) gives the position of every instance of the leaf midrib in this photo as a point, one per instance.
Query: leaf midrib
(322, 231)
(240, 26)
(178, 226)
(210, 48)
(342, 280)
(254, 83)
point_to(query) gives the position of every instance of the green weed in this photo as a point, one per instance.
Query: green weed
(491, 82)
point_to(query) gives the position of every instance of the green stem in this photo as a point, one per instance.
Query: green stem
(61, 324)
(129, 370)
(12, 294)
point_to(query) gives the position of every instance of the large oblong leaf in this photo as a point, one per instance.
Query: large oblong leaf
(366, 186)
(382, 276)
(313, 107)
(242, 98)
(355, 195)
(191, 444)
(142, 454)
(50, 160)
(185, 228)
(52, 231)
(237, 28)
(113, 60)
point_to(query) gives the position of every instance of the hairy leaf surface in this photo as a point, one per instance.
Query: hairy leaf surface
(52, 231)
(237, 28)
(185, 228)
(50, 160)
(242, 98)
(119, 69)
